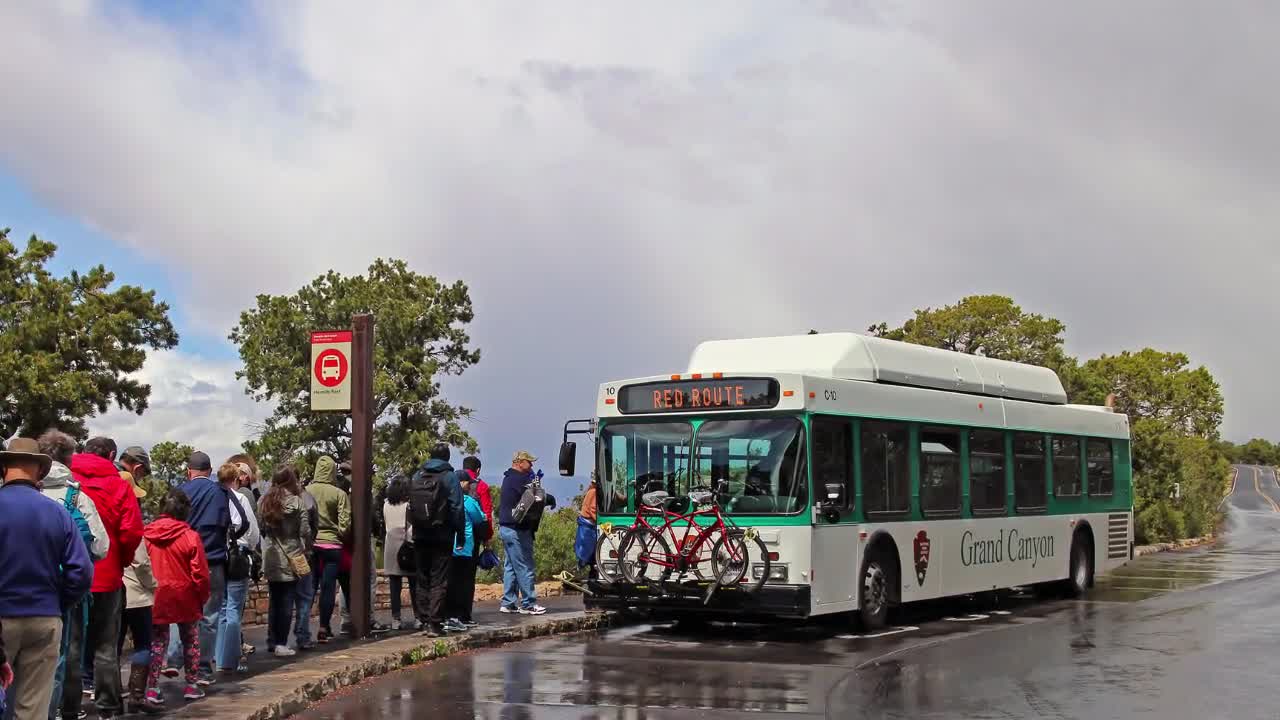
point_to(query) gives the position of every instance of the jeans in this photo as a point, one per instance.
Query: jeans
(280, 612)
(303, 598)
(68, 679)
(517, 570)
(104, 632)
(397, 583)
(228, 643)
(462, 587)
(208, 624)
(373, 592)
(330, 578)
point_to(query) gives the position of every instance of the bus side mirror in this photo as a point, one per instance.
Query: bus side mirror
(835, 494)
(568, 458)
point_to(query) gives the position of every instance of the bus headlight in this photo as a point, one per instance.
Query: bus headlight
(777, 572)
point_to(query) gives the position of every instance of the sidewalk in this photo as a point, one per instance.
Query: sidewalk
(260, 663)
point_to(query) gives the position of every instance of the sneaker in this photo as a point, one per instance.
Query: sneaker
(377, 628)
(154, 699)
(453, 625)
(243, 667)
(193, 692)
(507, 610)
(304, 646)
(535, 610)
(84, 714)
(345, 629)
(396, 624)
(171, 672)
(434, 631)
(205, 679)
(470, 623)
(418, 625)
(284, 651)
(247, 649)
(323, 636)
(87, 686)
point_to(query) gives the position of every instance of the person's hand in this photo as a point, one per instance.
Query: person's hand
(6, 676)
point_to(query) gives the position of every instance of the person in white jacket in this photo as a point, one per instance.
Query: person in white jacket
(139, 596)
(59, 487)
(229, 648)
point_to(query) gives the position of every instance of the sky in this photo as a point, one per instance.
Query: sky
(617, 182)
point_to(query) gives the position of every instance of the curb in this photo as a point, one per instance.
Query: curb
(1178, 545)
(289, 690)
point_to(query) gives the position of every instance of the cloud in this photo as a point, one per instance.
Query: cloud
(619, 183)
(193, 401)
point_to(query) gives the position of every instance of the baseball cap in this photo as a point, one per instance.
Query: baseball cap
(199, 461)
(137, 454)
(524, 455)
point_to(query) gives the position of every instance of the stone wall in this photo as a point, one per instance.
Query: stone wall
(255, 610)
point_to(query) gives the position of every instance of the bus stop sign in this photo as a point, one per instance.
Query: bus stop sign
(331, 371)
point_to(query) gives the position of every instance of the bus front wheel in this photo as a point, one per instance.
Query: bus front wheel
(873, 598)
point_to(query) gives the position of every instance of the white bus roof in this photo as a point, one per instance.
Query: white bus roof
(850, 356)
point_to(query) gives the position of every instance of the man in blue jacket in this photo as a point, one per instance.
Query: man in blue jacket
(211, 518)
(517, 539)
(44, 569)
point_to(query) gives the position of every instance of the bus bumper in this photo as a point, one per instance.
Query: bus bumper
(674, 600)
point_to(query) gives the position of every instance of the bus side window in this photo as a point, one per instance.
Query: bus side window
(940, 471)
(1029, 472)
(886, 475)
(1102, 473)
(987, 493)
(833, 460)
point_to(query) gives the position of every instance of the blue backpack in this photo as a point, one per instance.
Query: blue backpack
(77, 517)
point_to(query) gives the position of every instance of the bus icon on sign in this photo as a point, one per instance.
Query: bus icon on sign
(330, 368)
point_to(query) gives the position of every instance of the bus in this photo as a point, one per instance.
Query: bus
(877, 473)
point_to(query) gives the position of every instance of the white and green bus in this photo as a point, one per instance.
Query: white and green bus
(876, 472)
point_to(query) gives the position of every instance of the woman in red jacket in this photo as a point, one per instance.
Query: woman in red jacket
(182, 589)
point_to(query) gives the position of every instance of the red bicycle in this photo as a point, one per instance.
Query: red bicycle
(645, 555)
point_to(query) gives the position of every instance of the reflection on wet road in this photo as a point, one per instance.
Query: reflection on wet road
(1188, 634)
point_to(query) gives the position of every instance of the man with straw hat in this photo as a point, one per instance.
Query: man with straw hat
(44, 567)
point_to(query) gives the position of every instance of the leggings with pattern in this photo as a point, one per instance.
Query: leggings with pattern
(189, 633)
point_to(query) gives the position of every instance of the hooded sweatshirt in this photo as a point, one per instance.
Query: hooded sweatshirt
(180, 569)
(120, 514)
(56, 485)
(333, 506)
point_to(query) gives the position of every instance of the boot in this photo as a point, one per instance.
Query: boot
(137, 688)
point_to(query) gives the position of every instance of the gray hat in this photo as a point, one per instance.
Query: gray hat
(138, 455)
(199, 461)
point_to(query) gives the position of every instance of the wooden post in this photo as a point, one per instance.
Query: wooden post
(361, 471)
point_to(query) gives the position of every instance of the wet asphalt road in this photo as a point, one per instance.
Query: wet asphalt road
(1188, 634)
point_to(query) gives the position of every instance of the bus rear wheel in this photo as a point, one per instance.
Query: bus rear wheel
(1081, 569)
(873, 598)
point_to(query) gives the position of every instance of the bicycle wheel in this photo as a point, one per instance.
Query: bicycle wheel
(609, 553)
(640, 547)
(732, 558)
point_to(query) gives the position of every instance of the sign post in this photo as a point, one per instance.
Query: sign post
(361, 396)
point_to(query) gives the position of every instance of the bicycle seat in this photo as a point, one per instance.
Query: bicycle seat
(657, 498)
(701, 497)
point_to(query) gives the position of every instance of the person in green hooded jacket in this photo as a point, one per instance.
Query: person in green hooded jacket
(333, 509)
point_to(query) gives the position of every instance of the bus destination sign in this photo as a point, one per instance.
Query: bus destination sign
(699, 396)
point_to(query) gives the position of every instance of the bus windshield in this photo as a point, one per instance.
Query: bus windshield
(759, 460)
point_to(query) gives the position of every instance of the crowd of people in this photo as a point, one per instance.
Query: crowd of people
(82, 570)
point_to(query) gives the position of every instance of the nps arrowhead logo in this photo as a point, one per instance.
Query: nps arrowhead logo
(921, 547)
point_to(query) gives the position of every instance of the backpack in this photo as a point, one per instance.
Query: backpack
(428, 502)
(529, 510)
(69, 501)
